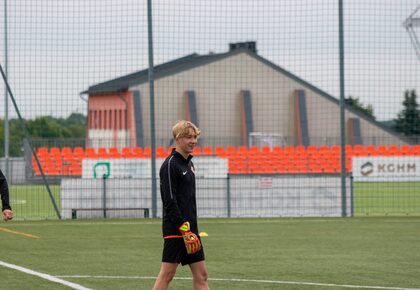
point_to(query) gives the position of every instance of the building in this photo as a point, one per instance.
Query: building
(236, 98)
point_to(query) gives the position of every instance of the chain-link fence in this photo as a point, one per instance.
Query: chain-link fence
(278, 88)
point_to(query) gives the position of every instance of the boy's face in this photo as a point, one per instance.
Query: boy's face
(187, 143)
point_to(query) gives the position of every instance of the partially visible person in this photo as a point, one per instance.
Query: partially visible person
(4, 192)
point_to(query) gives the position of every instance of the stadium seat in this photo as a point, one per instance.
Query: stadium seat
(66, 151)
(78, 152)
(207, 150)
(147, 152)
(55, 151)
(102, 153)
(393, 150)
(406, 150)
(126, 152)
(242, 151)
(336, 149)
(381, 150)
(91, 153)
(161, 152)
(370, 150)
(277, 150)
(197, 151)
(137, 152)
(42, 151)
(312, 150)
(266, 150)
(114, 152)
(358, 150)
(416, 150)
(220, 151)
(230, 150)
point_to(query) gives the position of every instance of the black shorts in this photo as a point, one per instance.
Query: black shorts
(174, 251)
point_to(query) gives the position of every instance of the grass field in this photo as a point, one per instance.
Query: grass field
(387, 198)
(302, 253)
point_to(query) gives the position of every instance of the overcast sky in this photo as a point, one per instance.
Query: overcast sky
(56, 49)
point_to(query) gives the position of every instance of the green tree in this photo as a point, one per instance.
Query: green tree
(408, 120)
(355, 103)
(45, 128)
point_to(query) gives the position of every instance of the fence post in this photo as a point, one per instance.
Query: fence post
(104, 177)
(228, 195)
(342, 107)
(351, 195)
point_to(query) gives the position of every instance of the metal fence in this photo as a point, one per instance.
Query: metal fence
(118, 74)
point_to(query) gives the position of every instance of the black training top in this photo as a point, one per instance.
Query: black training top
(4, 192)
(177, 189)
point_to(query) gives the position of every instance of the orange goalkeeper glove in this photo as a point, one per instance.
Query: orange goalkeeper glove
(192, 242)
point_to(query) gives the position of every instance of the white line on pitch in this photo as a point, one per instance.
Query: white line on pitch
(247, 281)
(44, 276)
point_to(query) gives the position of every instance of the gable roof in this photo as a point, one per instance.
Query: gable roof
(166, 69)
(195, 60)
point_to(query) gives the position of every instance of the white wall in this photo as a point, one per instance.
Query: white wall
(249, 196)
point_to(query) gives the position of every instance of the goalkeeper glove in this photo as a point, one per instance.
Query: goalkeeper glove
(192, 243)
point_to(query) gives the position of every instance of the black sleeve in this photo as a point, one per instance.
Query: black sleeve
(4, 192)
(168, 184)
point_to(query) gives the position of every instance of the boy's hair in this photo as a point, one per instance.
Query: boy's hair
(182, 129)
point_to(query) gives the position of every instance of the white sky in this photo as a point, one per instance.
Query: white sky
(59, 48)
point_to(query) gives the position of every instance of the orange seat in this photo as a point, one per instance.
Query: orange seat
(147, 152)
(91, 153)
(266, 150)
(370, 150)
(416, 150)
(197, 151)
(78, 152)
(393, 150)
(114, 152)
(207, 150)
(126, 152)
(66, 150)
(312, 150)
(55, 151)
(43, 151)
(358, 150)
(102, 153)
(230, 150)
(161, 152)
(406, 150)
(381, 150)
(138, 152)
(220, 151)
(277, 150)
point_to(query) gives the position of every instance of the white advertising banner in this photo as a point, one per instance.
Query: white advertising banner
(205, 167)
(386, 168)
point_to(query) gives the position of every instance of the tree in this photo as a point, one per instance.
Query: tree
(408, 120)
(356, 104)
(44, 130)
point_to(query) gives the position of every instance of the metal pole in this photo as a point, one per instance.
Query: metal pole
(104, 194)
(6, 97)
(351, 195)
(228, 197)
(342, 111)
(152, 108)
(26, 133)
